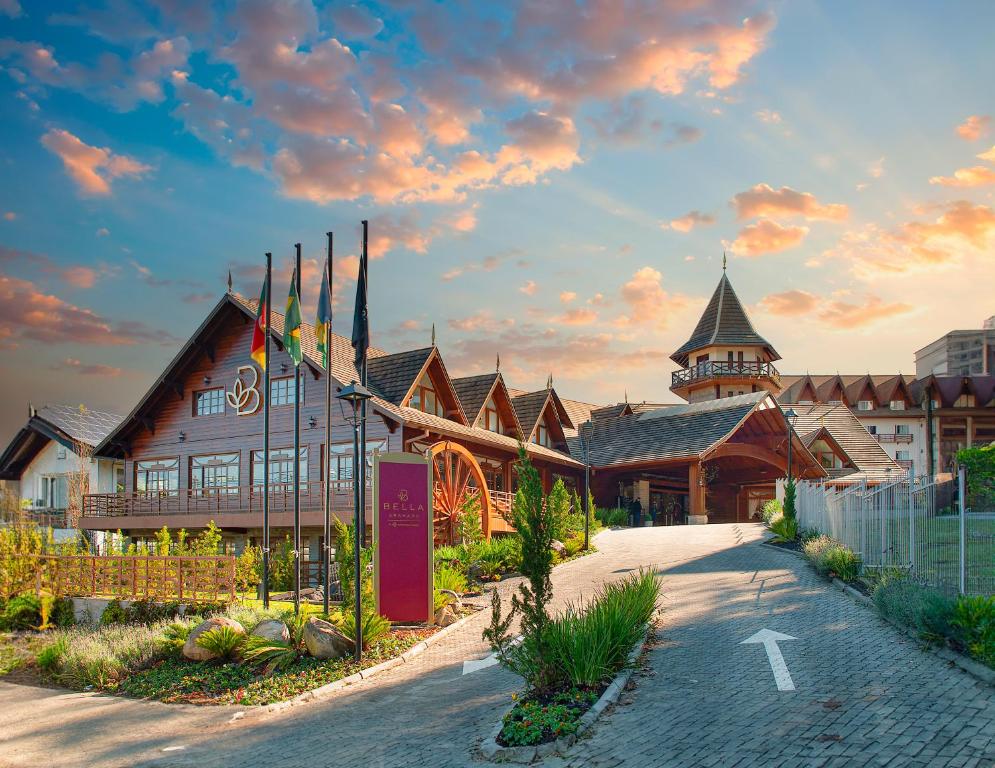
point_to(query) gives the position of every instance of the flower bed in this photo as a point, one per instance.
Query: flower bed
(538, 718)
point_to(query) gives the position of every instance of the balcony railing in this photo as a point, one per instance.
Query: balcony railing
(891, 437)
(244, 499)
(46, 517)
(720, 369)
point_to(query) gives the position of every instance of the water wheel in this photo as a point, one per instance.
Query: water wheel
(457, 479)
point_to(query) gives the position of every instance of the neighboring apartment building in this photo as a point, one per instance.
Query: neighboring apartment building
(39, 461)
(959, 353)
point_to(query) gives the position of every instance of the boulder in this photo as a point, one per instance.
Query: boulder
(193, 651)
(272, 629)
(559, 548)
(446, 615)
(324, 641)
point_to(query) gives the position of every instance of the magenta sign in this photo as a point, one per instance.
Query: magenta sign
(402, 498)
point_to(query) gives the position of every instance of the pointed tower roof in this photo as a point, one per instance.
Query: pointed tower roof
(724, 321)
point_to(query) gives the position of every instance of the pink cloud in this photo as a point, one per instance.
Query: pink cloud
(975, 176)
(76, 275)
(579, 316)
(846, 315)
(92, 168)
(529, 288)
(974, 127)
(690, 220)
(763, 200)
(766, 236)
(88, 369)
(567, 296)
(789, 303)
(646, 300)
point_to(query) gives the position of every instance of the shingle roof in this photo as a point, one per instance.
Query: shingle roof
(529, 409)
(672, 432)
(724, 321)
(472, 391)
(392, 375)
(849, 433)
(80, 424)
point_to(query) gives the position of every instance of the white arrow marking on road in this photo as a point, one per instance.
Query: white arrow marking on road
(475, 665)
(769, 638)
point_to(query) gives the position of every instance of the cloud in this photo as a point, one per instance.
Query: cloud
(625, 123)
(355, 22)
(975, 176)
(200, 298)
(876, 169)
(845, 315)
(579, 316)
(88, 369)
(103, 232)
(9, 216)
(480, 321)
(76, 275)
(10, 8)
(974, 127)
(764, 201)
(487, 264)
(689, 221)
(989, 155)
(684, 134)
(567, 296)
(766, 236)
(92, 168)
(789, 303)
(27, 313)
(529, 288)
(769, 116)
(646, 300)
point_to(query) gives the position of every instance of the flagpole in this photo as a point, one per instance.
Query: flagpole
(363, 380)
(327, 468)
(297, 454)
(266, 397)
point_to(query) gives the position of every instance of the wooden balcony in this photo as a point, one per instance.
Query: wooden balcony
(723, 369)
(891, 437)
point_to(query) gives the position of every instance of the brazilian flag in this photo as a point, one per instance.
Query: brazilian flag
(323, 318)
(292, 323)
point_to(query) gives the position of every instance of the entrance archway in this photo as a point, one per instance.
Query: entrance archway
(457, 480)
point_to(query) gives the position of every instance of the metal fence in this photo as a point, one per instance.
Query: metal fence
(926, 527)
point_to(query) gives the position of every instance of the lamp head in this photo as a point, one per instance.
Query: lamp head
(355, 393)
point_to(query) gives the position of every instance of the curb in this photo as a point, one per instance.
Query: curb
(965, 663)
(364, 674)
(494, 752)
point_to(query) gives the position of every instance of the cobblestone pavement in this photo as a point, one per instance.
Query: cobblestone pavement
(865, 694)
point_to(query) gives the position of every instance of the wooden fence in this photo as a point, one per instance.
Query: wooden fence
(183, 579)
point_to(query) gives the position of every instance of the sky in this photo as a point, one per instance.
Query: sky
(550, 180)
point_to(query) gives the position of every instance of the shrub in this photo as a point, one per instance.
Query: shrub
(449, 578)
(973, 619)
(588, 644)
(149, 612)
(374, 627)
(249, 568)
(81, 658)
(63, 614)
(48, 657)
(558, 503)
(500, 555)
(224, 642)
(273, 655)
(574, 543)
(784, 528)
(770, 510)
(789, 500)
(114, 613)
(468, 528)
(814, 550)
(611, 517)
(175, 634)
(843, 562)
(21, 612)
(920, 608)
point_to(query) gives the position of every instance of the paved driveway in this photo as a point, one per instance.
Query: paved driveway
(863, 694)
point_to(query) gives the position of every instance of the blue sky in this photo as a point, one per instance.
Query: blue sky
(552, 181)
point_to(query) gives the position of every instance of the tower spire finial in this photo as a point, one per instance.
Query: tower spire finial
(549, 381)
(433, 334)
(723, 261)
(229, 280)
(497, 363)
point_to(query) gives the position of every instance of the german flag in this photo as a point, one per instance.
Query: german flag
(258, 349)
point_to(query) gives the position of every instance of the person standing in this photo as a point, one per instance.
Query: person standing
(637, 512)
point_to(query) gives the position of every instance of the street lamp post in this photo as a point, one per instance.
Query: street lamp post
(356, 395)
(585, 436)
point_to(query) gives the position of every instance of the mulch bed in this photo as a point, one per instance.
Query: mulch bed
(794, 546)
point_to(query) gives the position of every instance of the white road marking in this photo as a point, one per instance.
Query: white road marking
(475, 665)
(172, 749)
(769, 638)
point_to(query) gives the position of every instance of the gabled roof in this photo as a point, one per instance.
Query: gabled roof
(724, 321)
(473, 392)
(65, 424)
(850, 435)
(393, 375)
(531, 405)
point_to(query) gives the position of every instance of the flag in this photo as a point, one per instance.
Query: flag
(292, 323)
(323, 318)
(258, 349)
(360, 317)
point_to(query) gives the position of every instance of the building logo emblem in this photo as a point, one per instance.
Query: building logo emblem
(402, 495)
(244, 398)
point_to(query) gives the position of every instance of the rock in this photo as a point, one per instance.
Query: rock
(446, 615)
(559, 548)
(193, 651)
(272, 629)
(324, 641)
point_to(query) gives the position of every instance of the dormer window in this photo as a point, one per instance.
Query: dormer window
(865, 405)
(897, 405)
(825, 455)
(424, 398)
(542, 435)
(490, 419)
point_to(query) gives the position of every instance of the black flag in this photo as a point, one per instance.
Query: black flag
(360, 317)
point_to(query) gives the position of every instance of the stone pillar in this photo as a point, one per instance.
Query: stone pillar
(697, 514)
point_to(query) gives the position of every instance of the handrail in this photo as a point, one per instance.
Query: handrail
(724, 368)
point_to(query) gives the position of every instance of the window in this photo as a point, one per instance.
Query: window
(490, 419)
(341, 465)
(158, 477)
(903, 429)
(903, 455)
(214, 474)
(60, 452)
(825, 455)
(424, 398)
(281, 467)
(730, 393)
(964, 401)
(53, 492)
(872, 428)
(865, 405)
(208, 402)
(282, 390)
(542, 434)
(701, 359)
(897, 405)
(732, 356)
(740, 355)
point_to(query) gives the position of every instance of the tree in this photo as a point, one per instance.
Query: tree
(534, 523)
(559, 510)
(789, 499)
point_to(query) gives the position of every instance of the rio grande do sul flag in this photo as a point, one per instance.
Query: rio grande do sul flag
(292, 323)
(258, 349)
